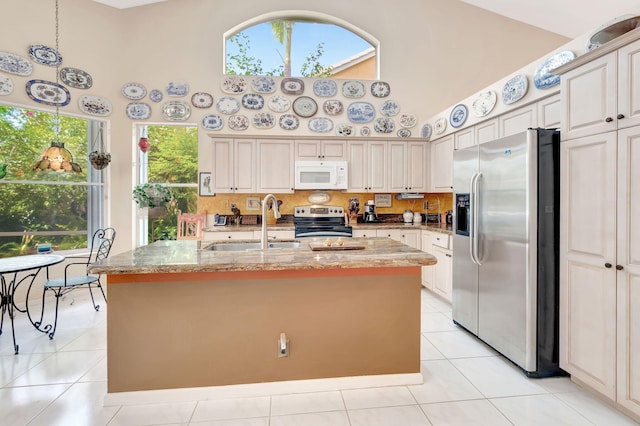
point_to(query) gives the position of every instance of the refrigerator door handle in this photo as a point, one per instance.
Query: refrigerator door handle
(472, 203)
(475, 218)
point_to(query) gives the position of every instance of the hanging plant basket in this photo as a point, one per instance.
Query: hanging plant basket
(152, 195)
(99, 160)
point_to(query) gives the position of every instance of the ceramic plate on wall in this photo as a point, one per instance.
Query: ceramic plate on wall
(325, 88)
(73, 77)
(458, 115)
(440, 125)
(263, 84)
(95, 105)
(234, 84)
(48, 93)
(404, 133)
(425, 132)
(177, 88)
(263, 120)
(407, 121)
(252, 101)
(212, 122)
(238, 122)
(279, 103)
(484, 103)
(515, 89)
(6, 85)
(202, 100)
(305, 106)
(365, 131)
(292, 86)
(384, 125)
(138, 111)
(543, 78)
(380, 89)
(155, 95)
(175, 111)
(345, 130)
(353, 89)
(134, 91)
(45, 55)
(228, 105)
(389, 108)
(332, 107)
(320, 125)
(15, 64)
(289, 122)
(361, 112)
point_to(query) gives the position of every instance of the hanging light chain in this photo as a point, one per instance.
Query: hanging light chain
(58, 124)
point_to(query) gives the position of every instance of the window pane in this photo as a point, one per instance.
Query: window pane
(173, 155)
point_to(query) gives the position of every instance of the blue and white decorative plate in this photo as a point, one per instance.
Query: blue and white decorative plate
(384, 125)
(325, 88)
(263, 84)
(48, 93)
(543, 78)
(484, 103)
(515, 89)
(234, 84)
(202, 100)
(238, 122)
(228, 105)
(361, 112)
(134, 91)
(95, 105)
(345, 130)
(177, 88)
(320, 125)
(212, 122)
(458, 115)
(440, 126)
(45, 55)
(292, 86)
(76, 78)
(305, 106)
(263, 120)
(332, 107)
(404, 133)
(425, 132)
(389, 108)
(15, 64)
(138, 111)
(156, 95)
(289, 122)
(279, 103)
(252, 101)
(353, 89)
(6, 85)
(175, 111)
(407, 121)
(380, 89)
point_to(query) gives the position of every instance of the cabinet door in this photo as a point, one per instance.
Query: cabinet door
(587, 253)
(333, 150)
(364, 233)
(411, 237)
(465, 138)
(418, 166)
(442, 164)
(275, 166)
(397, 166)
(589, 98)
(549, 112)
(358, 166)
(377, 153)
(518, 121)
(628, 113)
(628, 278)
(427, 271)
(486, 131)
(307, 150)
(226, 236)
(394, 234)
(443, 272)
(244, 165)
(223, 165)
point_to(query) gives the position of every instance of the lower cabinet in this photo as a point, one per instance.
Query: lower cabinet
(438, 277)
(225, 236)
(275, 235)
(410, 237)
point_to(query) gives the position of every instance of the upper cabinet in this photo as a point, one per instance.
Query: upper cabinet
(234, 165)
(518, 120)
(275, 166)
(442, 164)
(465, 138)
(320, 150)
(407, 168)
(367, 166)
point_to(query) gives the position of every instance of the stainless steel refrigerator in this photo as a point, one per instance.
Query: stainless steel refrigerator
(505, 247)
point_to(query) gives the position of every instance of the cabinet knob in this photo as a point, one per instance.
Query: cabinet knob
(608, 265)
(620, 116)
(448, 255)
(608, 119)
(231, 189)
(619, 267)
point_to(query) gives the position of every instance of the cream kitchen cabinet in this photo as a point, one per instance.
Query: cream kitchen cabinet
(441, 155)
(407, 166)
(275, 160)
(438, 278)
(275, 235)
(518, 120)
(234, 165)
(465, 138)
(228, 236)
(600, 264)
(320, 150)
(364, 233)
(486, 131)
(550, 112)
(426, 238)
(367, 166)
(410, 237)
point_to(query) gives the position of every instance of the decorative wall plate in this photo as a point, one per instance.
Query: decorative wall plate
(353, 89)
(320, 125)
(380, 89)
(263, 84)
(228, 105)
(325, 88)
(425, 132)
(407, 121)
(332, 107)
(458, 115)
(202, 100)
(177, 88)
(292, 86)
(440, 125)
(6, 85)
(212, 122)
(319, 198)
(134, 91)
(305, 106)
(365, 131)
(48, 93)
(404, 133)
(138, 111)
(384, 125)
(543, 78)
(515, 89)
(252, 101)
(389, 108)
(263, 120)
(361, 112)
(238, 122)
(279, 103)
(45, 55)
(15, 64)
(484, 103)
(345, 130)
(95, 105)
(156, 95)
(73, 77)
(234, 84)
(175, 111)
(289, 122)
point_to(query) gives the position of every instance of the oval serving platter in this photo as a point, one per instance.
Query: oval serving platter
(95, 105)
(252, 101)
(202, 100)
(234, 84)
(353, 89)
(238, 122)
(380, 89)
(212, 122)
(320, 125)
(361, 112)
(292, 86)
(263, 120)
(484, 103)
(543, 77)
(48, 92)
(228, 105)
(515, 89)
(177, 88)
(325, 88)
(15, 64)
(263, 84)
(76, 78)
(279, 103)
(289, 122)
(138, 111)
(45, 55)
(332, 107)
(175, 111)
(6, 85)
(134, 91)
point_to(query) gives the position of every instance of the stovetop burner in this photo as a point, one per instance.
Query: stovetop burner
(320, 221)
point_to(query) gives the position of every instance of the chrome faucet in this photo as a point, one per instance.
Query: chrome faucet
(276, 213)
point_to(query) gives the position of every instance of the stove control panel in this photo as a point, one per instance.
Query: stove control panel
(318, 211)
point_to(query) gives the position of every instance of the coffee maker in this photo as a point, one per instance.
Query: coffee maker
(370, 212)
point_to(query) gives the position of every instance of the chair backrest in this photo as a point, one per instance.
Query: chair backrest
(190, 226)
(101, 243)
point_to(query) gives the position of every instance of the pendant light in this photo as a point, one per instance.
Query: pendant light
(56, 157)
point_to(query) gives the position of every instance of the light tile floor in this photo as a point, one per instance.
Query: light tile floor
(63, 382)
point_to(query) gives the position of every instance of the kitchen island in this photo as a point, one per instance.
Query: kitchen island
(181, 315)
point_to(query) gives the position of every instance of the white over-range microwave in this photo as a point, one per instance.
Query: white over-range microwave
(321, 175)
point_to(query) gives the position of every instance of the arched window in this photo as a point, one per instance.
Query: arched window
(300, 44)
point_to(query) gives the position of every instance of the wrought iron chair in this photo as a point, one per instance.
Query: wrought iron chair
(101, 243)
(191, 226)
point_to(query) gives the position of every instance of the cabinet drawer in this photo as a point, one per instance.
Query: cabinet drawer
(225, 236)
(442, 240)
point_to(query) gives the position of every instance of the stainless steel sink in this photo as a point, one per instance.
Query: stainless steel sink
(253, 245)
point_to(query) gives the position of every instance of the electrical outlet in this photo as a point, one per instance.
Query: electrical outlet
(283, 346)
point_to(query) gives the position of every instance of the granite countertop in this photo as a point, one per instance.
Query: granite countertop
(445, 229)
(194, 256)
